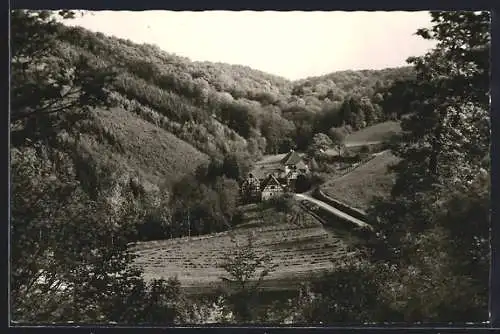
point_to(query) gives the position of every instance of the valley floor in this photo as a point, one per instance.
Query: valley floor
(299, 249)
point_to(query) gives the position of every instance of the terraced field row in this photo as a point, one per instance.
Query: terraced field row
(297, 250)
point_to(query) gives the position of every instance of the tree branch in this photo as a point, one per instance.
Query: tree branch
(17, 117)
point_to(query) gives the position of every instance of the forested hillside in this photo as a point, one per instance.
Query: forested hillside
(169, 112)
(113, 142)
(152, 123)
(220, 108)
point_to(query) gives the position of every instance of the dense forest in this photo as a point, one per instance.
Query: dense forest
(221, 108)
(168, 112)
(114, 142)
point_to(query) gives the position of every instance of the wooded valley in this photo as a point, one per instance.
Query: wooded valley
(114, 144)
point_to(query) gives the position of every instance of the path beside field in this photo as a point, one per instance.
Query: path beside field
(307, 196)
(299, 251)
(332, 210)
(333, 151)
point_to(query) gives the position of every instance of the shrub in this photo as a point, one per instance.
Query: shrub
(283, 203)
(364, 149)
(316, 180)
(303, 183)
(246, 270)
(349, 293)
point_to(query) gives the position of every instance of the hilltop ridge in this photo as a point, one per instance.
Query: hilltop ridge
(207, 110)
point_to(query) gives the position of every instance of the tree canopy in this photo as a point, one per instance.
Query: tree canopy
(445, 161)
(86, 183)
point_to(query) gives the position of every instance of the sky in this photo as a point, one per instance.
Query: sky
(294, 45)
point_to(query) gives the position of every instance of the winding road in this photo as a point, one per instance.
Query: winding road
(332, 210)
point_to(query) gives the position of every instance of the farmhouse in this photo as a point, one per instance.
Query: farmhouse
(273, 176)
(250, 189)
(272, 188)
(294, 165)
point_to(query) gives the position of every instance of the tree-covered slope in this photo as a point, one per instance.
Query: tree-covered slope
(139, 148)
(170, 115)
(93, 118)
(169, 118)
(220, 108)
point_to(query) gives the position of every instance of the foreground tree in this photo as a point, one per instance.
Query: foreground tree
(320, 143)
(69, 254)
(442, 184)
(70, 257)
(49, 89)
(246, 270)
(352, 292)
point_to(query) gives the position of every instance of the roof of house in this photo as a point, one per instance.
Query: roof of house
(251, 181)
(276, 164)
(313, 164)
(271, 180)
(291, 158)
(301, 165)
(262, 171)
(333, 151)
(271, 159)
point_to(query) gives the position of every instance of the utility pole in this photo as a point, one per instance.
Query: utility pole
(189, 223)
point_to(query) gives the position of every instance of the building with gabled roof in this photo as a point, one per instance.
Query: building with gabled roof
(291, 158)
(272, 188)
(294, 166)
(277, 173)
(250, 189)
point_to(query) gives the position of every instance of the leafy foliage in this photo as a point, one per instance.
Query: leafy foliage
(70, 260)
(352, 292)
(430, 260)
(225, 104)
(44, 83)
(206, 201)
(246, 270)
(442, 178)
(86, 179)
(69, 255)
(320, 144)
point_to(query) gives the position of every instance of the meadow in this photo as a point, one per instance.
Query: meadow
(375, 133)
(365, 182)
(299, 247)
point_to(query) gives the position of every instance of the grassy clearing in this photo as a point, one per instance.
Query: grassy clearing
(154, 152)
(298, 249)
(375, 133)
(363, 183)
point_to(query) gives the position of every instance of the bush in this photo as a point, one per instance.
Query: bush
(284, 203)
(245, 270)
(237, 218)
(316, 180)
(349, 293)
(364, 149)
(303, 183)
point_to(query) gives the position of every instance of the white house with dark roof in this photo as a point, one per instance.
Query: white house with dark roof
(294, 165)
(272, 188)
(276, 174)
